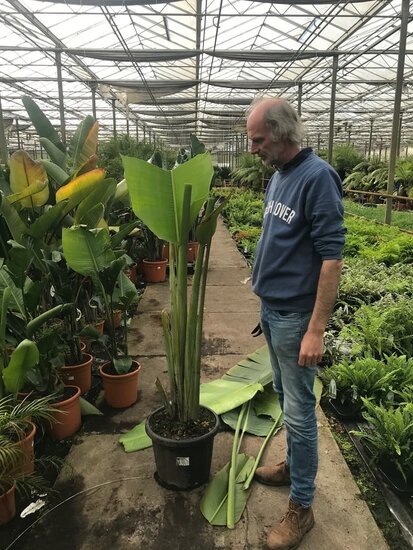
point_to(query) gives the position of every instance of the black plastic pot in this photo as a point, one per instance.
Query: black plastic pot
(347, 410)
(182, 464)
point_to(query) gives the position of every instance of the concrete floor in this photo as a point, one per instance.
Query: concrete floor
(113, 501)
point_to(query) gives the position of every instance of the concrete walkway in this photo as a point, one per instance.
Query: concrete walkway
(118, 504)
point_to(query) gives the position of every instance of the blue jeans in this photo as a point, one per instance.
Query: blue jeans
(295, 388)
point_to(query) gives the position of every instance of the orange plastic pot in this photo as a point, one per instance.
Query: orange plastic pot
(67, 419)
(8, 505)
(120, 390)
(155, 272)
(132, 273)
(27, 446)
(79, 375)
(192, 251)
(99, 326)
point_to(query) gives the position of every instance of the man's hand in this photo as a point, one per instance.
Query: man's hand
(312, 347)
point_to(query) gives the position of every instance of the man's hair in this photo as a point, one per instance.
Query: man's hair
(283, 121)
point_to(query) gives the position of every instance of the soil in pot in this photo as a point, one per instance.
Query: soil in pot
(183, 452)
(79, 375)
(67, 417)
(120, 390)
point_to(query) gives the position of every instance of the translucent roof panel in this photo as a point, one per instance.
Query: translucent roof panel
(168, 69)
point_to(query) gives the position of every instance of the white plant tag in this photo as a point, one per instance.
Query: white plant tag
(182, 460)
(355, 395)
(332, 389)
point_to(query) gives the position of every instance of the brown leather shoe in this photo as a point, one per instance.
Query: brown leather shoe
(276, 476)
(288, 534)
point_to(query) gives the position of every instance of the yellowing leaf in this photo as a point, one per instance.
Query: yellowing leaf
(80, 187)
(26, 173)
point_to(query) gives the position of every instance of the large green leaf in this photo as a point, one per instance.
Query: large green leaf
(87, 251)
(48, 221)
(16, 299)
(56, 155)
(18, 263)
(100, 194)
(54, 172)
(28, 181)
(214, 501)
(87, 409)
(157, 195)
(79, 188)
(136, 439)
(23, 358)
(14, 222)
(223, 395)
(206, 229)
(42, 124)
(84, 142)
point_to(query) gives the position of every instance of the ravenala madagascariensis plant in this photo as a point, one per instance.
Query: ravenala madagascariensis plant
(168, 202)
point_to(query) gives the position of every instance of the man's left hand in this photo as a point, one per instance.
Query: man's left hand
(312, 347)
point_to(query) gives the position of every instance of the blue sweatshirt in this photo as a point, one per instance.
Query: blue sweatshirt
(303, 225)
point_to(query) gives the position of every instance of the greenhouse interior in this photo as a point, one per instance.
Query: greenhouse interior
(139, 398)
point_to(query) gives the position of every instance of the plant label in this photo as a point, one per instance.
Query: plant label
(182, 460)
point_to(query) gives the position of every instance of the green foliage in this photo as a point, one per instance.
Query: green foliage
(390, 435)
(345, 158)
(384, 327)
(252, 172)
(403, 220)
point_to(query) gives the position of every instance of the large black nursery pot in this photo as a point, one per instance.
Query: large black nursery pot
(182, 464)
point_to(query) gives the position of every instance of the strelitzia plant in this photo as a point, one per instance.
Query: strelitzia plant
(168, 202)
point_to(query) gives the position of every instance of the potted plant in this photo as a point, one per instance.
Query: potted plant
(91, 253)
(182, 431)
(154, 265)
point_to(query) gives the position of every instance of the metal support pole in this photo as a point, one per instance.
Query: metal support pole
(349, 136)
(113, 99)
(300, 96)
(332, 109)
(93, 88)
(19, 145)
(318, 142)
(137, 131)
(370, 137)
(3, 145)
(399, 134)
(380, 147)
(58, 56)
(396, 111)
(127, 120)
(144, 134)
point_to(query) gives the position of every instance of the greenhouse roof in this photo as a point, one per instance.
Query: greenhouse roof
(194, 66)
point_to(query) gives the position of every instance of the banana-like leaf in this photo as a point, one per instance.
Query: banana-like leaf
(206, 229)
(41, 319)
(84, 142)
(136, 439)
(79, 188)
(56, 155)
(87, 409)
(87, 251)
(87, 166)
(18, 263)
(33, 189)
(55, 173)
(157, 195)
(214, 501)
(23, 358)
(92, 217)
(48, 221)
(14, 222)
(259, 425)
(102, 191)
(16, 299)
(42, 124)
(254, 368)
(4, 306)
(122, 232)
(25, 174)
(222, 395)
(121, 190)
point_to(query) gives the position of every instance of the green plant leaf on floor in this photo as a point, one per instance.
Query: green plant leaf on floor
(214, 501)
(223, 395)
(87, 409)
(136, 439)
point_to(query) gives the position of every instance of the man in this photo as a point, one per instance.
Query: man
(296, 274)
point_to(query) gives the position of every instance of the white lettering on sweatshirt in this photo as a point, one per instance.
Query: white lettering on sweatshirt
(281, 210)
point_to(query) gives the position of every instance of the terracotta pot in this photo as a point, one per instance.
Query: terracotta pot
(67, 416)
(192, 251)
(8, 505)
(132, 273)
(99, 326)
(165, 251)
(83, 345)
(155, 272)
(27, 446)
(120, 390)
(117, 318)
(79, 375)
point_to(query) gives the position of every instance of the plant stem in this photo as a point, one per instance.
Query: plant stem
(233, 470)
